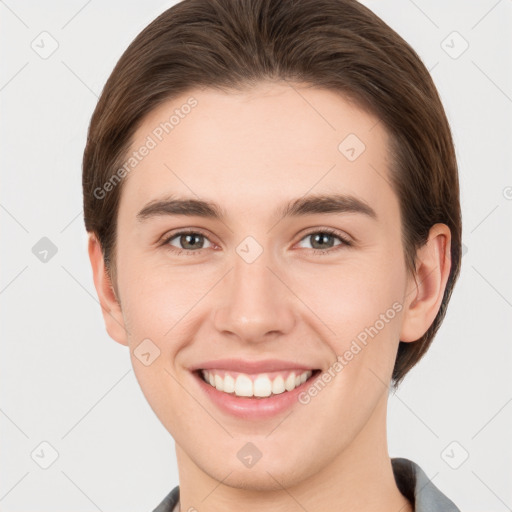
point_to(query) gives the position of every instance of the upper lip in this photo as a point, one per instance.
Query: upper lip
(247, 366)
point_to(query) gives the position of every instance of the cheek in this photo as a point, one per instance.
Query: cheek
(156, 297)
(349, 296)
(358, 308)
(157, 304)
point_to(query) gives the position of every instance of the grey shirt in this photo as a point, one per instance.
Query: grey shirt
(411, 480)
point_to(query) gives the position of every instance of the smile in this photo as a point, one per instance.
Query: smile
(255, 385)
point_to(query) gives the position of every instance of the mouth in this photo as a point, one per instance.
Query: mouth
(256, 386)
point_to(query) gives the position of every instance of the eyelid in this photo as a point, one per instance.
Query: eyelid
(181, 231)
(346, 239)
(167, 237)
(345, 242)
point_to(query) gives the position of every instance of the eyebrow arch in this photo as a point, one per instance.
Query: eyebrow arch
(307, 205)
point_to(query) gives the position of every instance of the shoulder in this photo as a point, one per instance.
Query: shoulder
(169, 502)
(415, 485)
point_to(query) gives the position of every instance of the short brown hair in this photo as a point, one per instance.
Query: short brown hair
(339, 45)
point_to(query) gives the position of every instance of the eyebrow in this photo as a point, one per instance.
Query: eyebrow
(307, 205)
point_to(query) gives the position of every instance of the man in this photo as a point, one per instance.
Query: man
(271, 193)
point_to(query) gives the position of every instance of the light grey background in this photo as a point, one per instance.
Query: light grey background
(63, 381)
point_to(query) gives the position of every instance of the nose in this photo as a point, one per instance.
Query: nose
(255, 305)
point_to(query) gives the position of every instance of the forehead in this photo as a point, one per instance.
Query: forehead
(247, 149)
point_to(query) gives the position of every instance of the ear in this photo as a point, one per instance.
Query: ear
(425, 292)
(110, 306)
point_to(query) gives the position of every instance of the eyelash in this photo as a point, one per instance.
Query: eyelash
(329, 231)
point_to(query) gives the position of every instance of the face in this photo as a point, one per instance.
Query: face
(323, 287)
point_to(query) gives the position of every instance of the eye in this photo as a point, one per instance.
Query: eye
(322, 240)
(189, 241)
(192, 242)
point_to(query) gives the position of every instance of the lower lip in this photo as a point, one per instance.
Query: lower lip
(254, 408)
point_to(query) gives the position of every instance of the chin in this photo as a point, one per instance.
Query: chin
(262, 477)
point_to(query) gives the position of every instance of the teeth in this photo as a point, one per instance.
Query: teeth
(290, 382)
(260, 385)
(278, 385)
(229, 384)
(243, 386)
(219, 383)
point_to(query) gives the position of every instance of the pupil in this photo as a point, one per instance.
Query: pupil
(321, 237)
(187, 237)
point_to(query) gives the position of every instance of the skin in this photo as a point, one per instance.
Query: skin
(251, 152)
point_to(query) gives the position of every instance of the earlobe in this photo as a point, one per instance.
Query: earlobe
(110, 307)
(424, 294)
